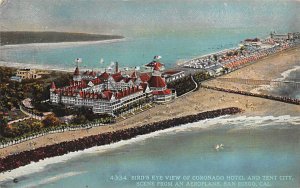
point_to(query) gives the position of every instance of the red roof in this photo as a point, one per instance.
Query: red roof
(76, 72)
(53, 85)
(126, 80)
(133, 75)
(156, 67)
(107, 94)
(104, 75)
(155, 64)
(79, 84)
(144, 77)
(171, 72)
(104, 95)
(164, 92)
(128, 91)
(156, 81)
(74, 86)
(88, 73)
(117, 76)
(57, 91)
(96, 81)
(92, 73)
(83, 83)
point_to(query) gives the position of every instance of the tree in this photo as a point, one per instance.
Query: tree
(215, 57)
(51, 121)
(3, 125)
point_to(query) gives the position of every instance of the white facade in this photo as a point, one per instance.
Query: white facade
(105, 97)
(172, 76)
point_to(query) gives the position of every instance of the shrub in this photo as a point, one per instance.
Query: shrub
(51, 121)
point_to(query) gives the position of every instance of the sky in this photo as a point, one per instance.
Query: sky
(141, 16)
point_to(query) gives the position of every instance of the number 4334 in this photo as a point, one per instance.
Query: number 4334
(118, 178)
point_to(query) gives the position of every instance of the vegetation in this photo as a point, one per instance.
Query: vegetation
(25, 37)
(11, 96)
(51, 121)
(201, 76)
(215, 57)
(182, 85)
(86, 115)
(20, 128)
(186, 84)
(59, 110)
(3, 123)
(29, 127)
(12, 93)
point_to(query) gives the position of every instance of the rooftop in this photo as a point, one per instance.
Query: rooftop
(156, 81)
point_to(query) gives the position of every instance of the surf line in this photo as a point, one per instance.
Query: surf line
(26, 157)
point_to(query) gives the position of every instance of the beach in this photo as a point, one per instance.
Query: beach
(275, 67)
(60, 44)
(49, 46)
(184, 145)
(199, 101)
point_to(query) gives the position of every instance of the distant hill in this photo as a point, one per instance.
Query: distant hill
(26, 37)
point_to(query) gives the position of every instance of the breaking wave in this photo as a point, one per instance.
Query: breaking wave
(284, 75)
(54, 179)
(226, 122)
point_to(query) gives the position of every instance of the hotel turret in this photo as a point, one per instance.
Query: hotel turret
(109, 92)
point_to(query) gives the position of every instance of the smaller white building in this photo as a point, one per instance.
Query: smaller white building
(172, 75)
(28, 74)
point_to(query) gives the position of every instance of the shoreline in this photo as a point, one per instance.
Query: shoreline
(61, 44)
(50, 45)
(17, 65)
(275, 67)
(26, 157)
(205, 55)
(284, 75)
(206, 125)
(190, 104)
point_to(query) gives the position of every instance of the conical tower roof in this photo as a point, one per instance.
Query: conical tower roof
(76, 72)
(53, 85)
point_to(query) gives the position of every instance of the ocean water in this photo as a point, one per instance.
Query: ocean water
(176, 30)
(289, 90)
(131, 52)
(253, 146)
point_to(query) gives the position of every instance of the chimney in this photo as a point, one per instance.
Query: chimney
(117, 67)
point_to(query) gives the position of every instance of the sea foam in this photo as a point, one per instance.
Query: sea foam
(54, 179)
(284, 75)
(229, 122)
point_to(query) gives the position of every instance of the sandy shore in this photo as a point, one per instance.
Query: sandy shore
(60, 44)
(275, 67)
(50, 45)
(195, 102)
(33, 66)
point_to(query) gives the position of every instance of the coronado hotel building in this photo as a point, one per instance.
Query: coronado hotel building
(107, 92)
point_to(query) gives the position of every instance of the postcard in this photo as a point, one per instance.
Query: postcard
(150, 93)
